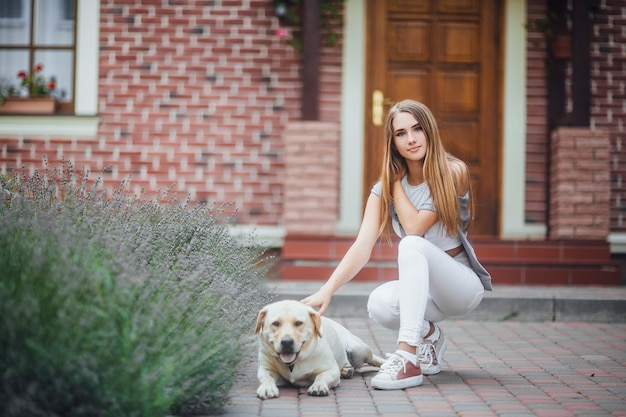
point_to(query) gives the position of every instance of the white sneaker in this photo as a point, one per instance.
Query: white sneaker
(397, 373)
(430, 354)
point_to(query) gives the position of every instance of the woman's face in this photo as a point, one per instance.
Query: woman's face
(409, 137)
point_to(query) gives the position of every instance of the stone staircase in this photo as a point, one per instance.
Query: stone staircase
(510, 262)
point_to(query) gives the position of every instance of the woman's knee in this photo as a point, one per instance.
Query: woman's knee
(382, 305)
(411, 243)
(410, 247)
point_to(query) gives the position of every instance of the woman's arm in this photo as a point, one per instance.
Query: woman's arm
(413, 221)
(355, 258)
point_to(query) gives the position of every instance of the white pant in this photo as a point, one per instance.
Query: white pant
(431, 286)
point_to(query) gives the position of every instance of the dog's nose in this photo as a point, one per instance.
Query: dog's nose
(286, 344)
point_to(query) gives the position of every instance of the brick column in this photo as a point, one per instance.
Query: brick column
(311, 203)
(579, 184)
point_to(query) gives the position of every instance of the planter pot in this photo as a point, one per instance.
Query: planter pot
(29, 105)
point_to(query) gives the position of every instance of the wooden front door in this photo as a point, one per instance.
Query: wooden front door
(446, 54)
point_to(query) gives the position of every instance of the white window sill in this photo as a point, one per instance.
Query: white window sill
(53, 125)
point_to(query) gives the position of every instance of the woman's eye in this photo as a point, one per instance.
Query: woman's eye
(417, 128)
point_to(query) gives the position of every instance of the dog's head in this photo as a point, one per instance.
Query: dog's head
(288, 327)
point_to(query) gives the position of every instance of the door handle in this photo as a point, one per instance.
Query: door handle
(379, 101)
(377, 107)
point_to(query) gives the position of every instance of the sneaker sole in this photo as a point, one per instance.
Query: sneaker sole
(435, 369)
(413, 381)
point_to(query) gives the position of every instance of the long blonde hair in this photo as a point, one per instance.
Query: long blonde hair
(438, 172)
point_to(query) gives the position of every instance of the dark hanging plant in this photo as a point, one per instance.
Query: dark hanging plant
(290, 14)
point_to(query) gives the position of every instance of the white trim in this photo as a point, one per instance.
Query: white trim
(265, 236)
(85, 91)
(49, 125)
(513, 224)
(87, 58)
(352, 118)
(618, 242)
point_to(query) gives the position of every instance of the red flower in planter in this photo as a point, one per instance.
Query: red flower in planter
(37, 84)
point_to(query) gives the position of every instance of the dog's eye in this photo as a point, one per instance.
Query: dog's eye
(299, 323)
(276, 324)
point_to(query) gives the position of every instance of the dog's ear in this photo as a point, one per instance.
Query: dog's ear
(259, 320)
(316, 319)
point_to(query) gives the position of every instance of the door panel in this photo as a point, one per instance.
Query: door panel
(403, 81)
(446, 55)
(457, 92)
(458, 6)
(458, 43)
(418, 6)
(408, 42)
(463, 145)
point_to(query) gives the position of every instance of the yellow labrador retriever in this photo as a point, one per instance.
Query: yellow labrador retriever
(299, 346)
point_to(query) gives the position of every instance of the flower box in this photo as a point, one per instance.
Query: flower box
(29, 105)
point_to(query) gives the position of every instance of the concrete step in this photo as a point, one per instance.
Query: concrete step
(506, 302)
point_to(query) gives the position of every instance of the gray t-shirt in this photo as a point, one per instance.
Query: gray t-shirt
(421, 198)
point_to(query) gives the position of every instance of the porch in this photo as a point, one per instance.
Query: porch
(575, 250)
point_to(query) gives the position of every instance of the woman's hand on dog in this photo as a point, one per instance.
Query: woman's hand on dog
(320, 300)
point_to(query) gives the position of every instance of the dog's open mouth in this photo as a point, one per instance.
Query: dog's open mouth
(288, 358)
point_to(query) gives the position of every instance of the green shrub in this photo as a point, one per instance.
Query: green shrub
(119, 305)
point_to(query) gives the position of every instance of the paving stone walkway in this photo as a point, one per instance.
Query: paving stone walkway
(491, 368)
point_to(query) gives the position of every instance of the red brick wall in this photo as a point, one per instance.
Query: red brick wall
(197, 94)
(608, 89)
(579, 184)
(312, 177)
(194, 93)
(536, 118)
(608, 107)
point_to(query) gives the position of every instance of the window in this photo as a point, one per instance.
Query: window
(10, 9)
(68, 9)
(39, 33)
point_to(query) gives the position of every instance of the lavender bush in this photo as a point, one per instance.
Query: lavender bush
(119, 305)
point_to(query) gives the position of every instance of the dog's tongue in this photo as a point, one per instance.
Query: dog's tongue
(287, 357)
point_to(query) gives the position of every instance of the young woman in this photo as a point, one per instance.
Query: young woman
(425, 194)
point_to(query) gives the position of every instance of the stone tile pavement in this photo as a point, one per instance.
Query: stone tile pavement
(491, 368)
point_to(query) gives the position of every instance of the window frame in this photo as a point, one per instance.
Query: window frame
(32, 48)
(84, 120)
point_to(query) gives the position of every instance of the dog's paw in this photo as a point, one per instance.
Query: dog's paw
(267, 391)
(319, 390)
(347, 371)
